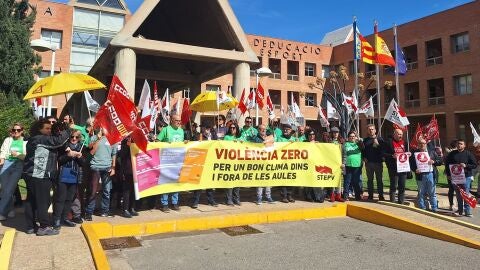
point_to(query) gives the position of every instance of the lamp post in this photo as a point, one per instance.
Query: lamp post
(41, 45)
(261, 72)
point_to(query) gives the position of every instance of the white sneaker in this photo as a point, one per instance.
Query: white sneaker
(11, 214)
(2, 218)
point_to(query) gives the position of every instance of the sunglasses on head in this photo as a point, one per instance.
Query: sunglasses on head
(16, 129)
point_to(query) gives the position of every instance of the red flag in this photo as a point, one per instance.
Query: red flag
(39, 101)
(186, 112)
(140, 133)
(431, 130)
(468, 198)
(259, 95)
(416, 136)
(241, 105)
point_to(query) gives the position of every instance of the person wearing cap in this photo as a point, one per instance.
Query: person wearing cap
(335, 138)
(286, 192)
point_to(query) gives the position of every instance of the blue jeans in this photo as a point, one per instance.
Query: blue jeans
(426, 187)
(9, 176)
(104, 175)
(352, 175)
(461, 204)
(173, 196)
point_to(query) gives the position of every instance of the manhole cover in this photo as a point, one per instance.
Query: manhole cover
(240, 230)
(120, 242)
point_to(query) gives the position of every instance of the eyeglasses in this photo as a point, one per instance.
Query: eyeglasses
(76, 137)
(16, 129)
(52, 122)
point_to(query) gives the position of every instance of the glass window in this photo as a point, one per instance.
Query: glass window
(460, 42)
(111, 22)
(310, 99)
(213, 87)
(325, 71)
(104, 3)
(461, 132)
(54, 37)
(275, 96)
(84, 39)
(310, 69)
(463, 84)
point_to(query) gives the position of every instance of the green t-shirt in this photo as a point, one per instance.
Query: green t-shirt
(231, 138)
(17, 145)
(353, 154)
(170, 134)
(302, 138)
(283, 139)
(248, 133)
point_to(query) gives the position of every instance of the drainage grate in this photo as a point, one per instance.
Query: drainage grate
(120, 243)
(240, 230)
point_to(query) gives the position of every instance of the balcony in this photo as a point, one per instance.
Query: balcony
(434, 61)
(436, 101)
(275, 76)
(412, 65)
(413, 103)
(292, 77)
(369, 74)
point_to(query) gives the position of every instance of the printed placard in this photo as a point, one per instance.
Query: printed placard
(422, 159)
(457, 173)
(402, 162)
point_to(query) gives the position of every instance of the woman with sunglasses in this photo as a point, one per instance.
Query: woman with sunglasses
(233, 194)
(70, 163)
(12, 154)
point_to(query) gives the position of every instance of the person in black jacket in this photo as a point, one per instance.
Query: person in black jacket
(392, 148)
(126, 176)
(425, 178)
(70, 163)
(373, 157)
(40, 170)
(467, 161)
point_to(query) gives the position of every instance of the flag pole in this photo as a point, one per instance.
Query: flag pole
(377, 70)
(355, 67)
(397, 53)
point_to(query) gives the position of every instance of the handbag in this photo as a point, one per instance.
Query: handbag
(68, 174)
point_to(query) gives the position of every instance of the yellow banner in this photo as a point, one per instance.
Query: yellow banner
(172, 167)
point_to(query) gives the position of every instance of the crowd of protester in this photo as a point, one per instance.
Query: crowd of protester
(79, 165)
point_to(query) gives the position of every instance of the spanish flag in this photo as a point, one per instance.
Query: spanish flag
(368, 53)
(382, 53)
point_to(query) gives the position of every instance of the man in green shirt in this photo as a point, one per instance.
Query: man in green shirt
(248, 131)
(301, 134)
(286, 192)
(171, 133)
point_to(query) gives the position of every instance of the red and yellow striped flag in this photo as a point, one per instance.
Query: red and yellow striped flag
(382, 53)
(368, 53)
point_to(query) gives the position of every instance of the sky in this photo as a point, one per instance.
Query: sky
(309, 20)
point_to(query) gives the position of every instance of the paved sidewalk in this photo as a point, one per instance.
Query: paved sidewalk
(69, 249)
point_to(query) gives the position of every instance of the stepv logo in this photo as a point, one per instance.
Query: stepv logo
(325, 173)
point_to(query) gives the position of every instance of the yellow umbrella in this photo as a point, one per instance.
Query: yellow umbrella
(207, 102)
(63, 83)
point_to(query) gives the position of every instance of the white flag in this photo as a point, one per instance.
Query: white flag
(92, 105)
(295, 108)
(222, 98)
(367, 108)
(349, 103)
(396, 115)
(270, 109)
(144, 96)
(331, 111)
(165, 107)
(251, 100)
(283, 116)
(476, 137)
(323, 119)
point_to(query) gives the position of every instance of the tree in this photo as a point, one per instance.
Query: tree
(13, 110)
(16, 56)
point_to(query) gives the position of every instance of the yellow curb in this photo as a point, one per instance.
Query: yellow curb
(96, 231)
(392, 221)
(439, 216)
(6, 248)
(99, 257)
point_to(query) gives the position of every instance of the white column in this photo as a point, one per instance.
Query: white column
(125, 69)
(241, 80)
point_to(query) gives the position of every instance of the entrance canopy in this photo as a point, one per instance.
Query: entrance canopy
(178, 43)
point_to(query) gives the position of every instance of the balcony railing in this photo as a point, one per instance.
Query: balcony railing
(412, 65)
(434, 61)
(413, 103)
(436, 101)
(275, 76)
(369, 74)
(292, 77)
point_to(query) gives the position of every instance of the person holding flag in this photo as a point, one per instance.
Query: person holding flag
(466, 162)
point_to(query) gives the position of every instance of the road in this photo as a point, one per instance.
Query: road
(341, 243)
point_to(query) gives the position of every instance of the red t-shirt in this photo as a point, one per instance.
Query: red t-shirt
(399, 147)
